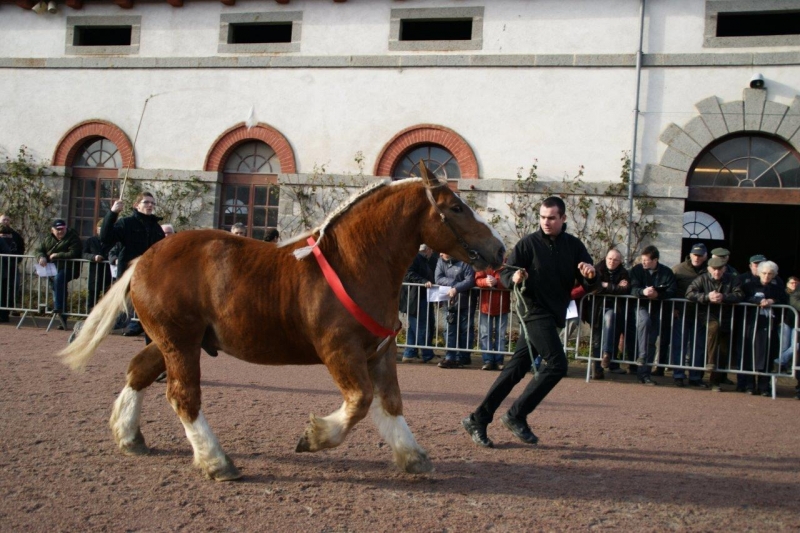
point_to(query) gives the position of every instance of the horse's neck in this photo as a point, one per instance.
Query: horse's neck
(382, 235)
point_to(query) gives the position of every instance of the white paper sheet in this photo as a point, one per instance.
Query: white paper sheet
(438, 294)
(47, 271)
(572, 310)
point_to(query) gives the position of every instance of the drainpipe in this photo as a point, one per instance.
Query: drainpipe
(635, 126)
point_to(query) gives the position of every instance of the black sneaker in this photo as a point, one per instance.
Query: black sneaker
(477, 432)
(697, 383)
(520, 429)
(647, 381)
(679, 383)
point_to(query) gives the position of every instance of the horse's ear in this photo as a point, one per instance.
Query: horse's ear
(428, 178)
(423, 172)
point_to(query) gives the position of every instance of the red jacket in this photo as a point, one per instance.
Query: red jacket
(493, 302)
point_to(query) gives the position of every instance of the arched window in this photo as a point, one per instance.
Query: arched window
(699, 225)
(438, 160)
(250, 192)
(95, 184)
(747, 161)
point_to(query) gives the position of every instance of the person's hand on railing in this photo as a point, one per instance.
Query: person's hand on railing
(42, 261)
(98, 259)
(650, 292)
(623, 283)
(766, 302)
(715, 297)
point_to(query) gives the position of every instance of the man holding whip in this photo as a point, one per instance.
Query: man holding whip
(542, 268)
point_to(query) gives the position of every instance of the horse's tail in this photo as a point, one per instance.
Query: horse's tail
(100, 322)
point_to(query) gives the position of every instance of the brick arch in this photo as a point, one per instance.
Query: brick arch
(67, 148)
(231, 138)
(427, 134)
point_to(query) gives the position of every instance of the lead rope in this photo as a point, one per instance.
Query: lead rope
(519, 288)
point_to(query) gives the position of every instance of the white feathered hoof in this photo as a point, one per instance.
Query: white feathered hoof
(136, 446)
(314, 436)
(223, 471)
(414, 462)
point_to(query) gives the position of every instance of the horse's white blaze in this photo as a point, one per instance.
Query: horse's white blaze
(207, 451)
(394, 430)
(480, 219)
(125, 415)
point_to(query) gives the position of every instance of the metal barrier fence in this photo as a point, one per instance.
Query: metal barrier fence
(25, 292)
(757, 344)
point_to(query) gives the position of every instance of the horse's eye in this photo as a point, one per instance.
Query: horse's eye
(456, 209)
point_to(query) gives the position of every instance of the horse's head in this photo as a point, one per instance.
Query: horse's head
(454, 228)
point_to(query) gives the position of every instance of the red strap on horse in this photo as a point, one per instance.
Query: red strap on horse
(338, 289)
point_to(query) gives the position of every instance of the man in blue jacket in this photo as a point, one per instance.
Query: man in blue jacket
(460, 277)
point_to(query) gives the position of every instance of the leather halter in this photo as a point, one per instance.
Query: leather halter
(338, 289)
(472, 253)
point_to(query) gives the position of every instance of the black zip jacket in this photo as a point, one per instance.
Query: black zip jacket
(137, 233)
(552, 266)
(663, 279)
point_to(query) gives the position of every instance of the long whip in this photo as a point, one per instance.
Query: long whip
(133, 148)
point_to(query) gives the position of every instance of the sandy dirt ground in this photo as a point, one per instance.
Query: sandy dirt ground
(613, 454)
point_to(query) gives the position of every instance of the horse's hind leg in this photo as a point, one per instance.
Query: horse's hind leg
(142, 371)
(351, 376)
(387, 412)
(183, 393)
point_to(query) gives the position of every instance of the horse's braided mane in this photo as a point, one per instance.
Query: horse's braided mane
(300, 253)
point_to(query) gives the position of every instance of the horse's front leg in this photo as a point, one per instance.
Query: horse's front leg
(387, 412)
(348, 367)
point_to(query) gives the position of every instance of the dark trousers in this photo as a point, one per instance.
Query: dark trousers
(546, 342)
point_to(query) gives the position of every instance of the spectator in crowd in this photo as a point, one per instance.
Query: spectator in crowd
(684, 338)
(460, 277)
(652, 282)
(137, 233)
(725, 255)
(545, 264)
(414, 302)
(608, 319)
(168, 230)
(57, 247)
(765, 340)
(113, 260)
(5, 277)
(239, 229)
(793, 291)
(272, 235)
(495, 304)
(715, 290)
(788, 338)
(15, 246)
(99, 272)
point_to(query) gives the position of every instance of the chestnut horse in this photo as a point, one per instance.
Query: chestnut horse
(259, 303)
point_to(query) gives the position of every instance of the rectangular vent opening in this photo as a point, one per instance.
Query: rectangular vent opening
(102, 36)
(436, 30)
(258, 33)
(758, 24)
